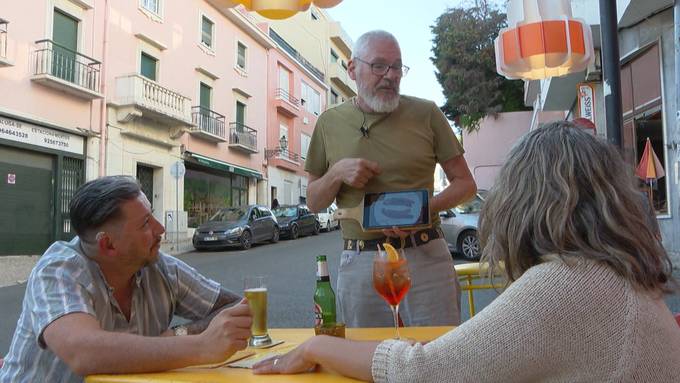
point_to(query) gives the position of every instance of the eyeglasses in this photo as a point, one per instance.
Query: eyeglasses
(380, 69)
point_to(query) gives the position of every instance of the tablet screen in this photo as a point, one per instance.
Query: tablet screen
(402, 209)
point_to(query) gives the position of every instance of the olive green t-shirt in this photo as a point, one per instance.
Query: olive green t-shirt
(406, 143)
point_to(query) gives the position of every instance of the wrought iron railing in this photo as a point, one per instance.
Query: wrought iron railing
(241, 134)
(3, 38)
(293, 52)
(282, 94)
(208, 121)
(58, 61)
(280, 152)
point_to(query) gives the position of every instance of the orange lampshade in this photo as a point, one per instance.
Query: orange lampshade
(542, 40)
(282, 9)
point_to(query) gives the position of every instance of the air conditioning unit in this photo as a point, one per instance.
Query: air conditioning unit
(594, 70)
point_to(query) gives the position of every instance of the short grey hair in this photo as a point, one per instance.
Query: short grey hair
(361, 46)
(98, 202)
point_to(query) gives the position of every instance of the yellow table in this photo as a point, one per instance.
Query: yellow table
(291, 337)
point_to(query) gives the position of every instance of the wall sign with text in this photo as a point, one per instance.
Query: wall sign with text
(31, 134)
(586, 101)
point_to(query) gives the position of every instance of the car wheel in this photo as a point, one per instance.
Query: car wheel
(246, 240)
(275, 235)
(317, 228)
(468, 245)
(294, 233)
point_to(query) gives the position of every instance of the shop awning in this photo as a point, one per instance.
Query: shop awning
(225, 166)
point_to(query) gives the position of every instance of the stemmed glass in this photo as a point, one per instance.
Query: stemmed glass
(391, 279)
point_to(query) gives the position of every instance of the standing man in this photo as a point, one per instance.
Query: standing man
(103, 302)
(382, 141)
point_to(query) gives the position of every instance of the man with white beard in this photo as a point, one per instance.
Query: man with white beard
(383, 141)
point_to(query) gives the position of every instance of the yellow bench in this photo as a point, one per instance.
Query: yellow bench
(467, 273)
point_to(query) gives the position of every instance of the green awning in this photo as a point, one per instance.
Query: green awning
(225, 166)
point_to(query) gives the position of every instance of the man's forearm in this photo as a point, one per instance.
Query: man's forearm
(322, 191)
(224, 300)
(456, 193)
(110, 352)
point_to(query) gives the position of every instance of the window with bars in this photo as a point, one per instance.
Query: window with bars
(207, 29)
(145, 177)
(72, 176)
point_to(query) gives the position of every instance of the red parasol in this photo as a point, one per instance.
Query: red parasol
(649, 169)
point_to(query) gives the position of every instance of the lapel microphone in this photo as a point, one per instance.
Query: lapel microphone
(364, 131)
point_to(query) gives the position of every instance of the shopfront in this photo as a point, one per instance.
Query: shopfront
(211, 184)
(40, 169)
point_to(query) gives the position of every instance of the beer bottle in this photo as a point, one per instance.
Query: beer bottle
(324, 297)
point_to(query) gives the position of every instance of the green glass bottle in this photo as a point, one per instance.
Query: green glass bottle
(324, 297)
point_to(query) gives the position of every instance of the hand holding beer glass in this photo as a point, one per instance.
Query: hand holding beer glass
(255, 290)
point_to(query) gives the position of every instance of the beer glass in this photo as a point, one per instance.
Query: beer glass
(255, 290)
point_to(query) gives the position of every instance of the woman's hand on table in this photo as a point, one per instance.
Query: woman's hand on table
(293, 362)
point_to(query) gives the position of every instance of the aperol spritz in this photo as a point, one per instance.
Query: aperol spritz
(391, 279)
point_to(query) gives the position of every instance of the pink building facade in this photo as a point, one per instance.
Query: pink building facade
(51, 108)
(297, 96)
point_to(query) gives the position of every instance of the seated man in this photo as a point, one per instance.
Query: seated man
(103, 302)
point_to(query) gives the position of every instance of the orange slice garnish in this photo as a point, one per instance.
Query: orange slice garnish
(392, 254)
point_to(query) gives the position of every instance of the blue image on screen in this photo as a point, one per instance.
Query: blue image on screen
(400, 209)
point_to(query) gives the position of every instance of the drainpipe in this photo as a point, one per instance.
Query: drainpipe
(676, 22)
(611, 71)
(103, 119)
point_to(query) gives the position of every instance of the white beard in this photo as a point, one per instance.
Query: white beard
(376, 103)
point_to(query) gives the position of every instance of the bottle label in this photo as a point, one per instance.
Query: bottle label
(318, 315)
(321, 269)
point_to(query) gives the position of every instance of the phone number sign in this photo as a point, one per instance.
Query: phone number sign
(18, 131)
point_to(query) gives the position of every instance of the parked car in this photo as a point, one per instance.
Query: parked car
(460, 228)
(237, 226)
(326, 219)
(296, 220)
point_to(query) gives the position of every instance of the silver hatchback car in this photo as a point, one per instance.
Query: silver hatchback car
(460, 228)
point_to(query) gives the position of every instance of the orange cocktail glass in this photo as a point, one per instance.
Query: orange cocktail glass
(391, 279)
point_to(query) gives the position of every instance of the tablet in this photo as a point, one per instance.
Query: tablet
(406, 209)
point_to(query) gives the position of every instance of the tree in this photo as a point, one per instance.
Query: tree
(463, 48)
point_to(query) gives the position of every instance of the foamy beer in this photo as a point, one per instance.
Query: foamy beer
(255, 290)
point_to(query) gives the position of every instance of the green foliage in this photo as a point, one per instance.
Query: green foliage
(463, 48)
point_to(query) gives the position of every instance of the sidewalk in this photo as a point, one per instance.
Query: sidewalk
(16, 268)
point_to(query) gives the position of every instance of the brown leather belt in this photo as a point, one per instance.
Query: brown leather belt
(421, 237)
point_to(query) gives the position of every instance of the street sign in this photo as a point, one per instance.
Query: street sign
(177, 169)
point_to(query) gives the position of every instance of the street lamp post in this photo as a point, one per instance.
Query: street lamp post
(611, 71)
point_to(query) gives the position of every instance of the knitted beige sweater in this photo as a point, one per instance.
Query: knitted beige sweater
(557, 323)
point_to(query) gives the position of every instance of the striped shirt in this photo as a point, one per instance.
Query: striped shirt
(66, 281)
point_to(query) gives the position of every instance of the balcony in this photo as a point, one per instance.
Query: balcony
(242, 137)
(341, 39)
(208, 124)
(286, 103)
(60, 68)
(137, 96)
(340, 79)
(3, 43)
(283, 158)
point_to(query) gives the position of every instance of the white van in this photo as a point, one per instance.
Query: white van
(326, 219)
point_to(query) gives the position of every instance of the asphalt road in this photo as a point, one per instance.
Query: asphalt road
(289, 265)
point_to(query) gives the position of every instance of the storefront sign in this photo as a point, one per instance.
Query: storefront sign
(31, 134)
(586, 102)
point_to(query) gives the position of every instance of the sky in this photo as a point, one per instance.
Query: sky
(410, 24)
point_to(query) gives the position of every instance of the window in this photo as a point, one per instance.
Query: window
(205, 97)
(240, 114)
(207, 29)
(334, 97)
(312, 99)
(241, 55)
(334, 56)
(314, 15)
(284, 80)
(344, 64)
(153, 6)
(65, 36)
(304, 143)
(148, 66)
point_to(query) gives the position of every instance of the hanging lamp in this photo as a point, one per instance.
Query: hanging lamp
(542, 40)
(283, 9)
